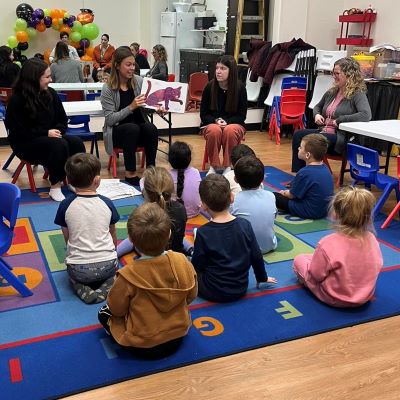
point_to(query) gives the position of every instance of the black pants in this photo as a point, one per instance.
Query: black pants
(130, 136)
(298, 164)
(160, 351)
(282, 202)
(52, 153)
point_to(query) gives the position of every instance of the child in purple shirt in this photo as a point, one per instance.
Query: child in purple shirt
(345, 266)
(186, 179)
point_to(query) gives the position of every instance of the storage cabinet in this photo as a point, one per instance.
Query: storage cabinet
(366, 19)
(195, 61)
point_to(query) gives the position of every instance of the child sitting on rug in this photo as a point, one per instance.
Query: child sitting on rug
(255, 204)
(239, 151)
(186, 179)
(147, 307)
(312, 187)
(87, 222)
(225, 247)
(344, 268)
(158, 188)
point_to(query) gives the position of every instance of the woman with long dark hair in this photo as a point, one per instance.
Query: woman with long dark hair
(223, 111)
(64, 69)
(8, 70)
(126, 125)
(37, 123)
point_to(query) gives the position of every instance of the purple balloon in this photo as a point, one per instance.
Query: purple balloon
(33, 22)
(39, 13)
(84, 43)
(70, 23)
(72, 18)
(47, 21)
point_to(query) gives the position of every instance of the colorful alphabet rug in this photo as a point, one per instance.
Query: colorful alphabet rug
(51, 344)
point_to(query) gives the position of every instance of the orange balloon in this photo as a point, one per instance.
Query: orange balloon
(65, 28)
(90, 51)
(55, 21)
(22, 36)
(54, 13)
(41, 27)
(85, 17)
(46, 55)
(61, 13)
(86, 58)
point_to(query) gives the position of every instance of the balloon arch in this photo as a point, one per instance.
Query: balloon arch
(29, 22)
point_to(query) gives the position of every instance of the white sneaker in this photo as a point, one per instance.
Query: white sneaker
(226, 170)
(211, 171)
(56, 194)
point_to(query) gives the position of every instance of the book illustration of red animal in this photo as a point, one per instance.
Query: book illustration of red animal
(158, 97)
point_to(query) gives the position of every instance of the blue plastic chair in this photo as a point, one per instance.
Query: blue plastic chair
(364, 167)
(10, 195)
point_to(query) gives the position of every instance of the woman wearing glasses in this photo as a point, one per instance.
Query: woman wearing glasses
(345, 101)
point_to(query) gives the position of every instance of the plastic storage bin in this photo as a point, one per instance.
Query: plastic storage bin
(366, 65)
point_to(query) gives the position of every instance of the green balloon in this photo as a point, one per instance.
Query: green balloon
(90, 31)
(76, 27)
(20, 24)
(75, 36)
(46, 12)
(12, 41)
(31, 32)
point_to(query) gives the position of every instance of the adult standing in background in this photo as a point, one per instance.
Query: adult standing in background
(345, 101)
(37, 123)
(139, 58)
(126, 125)
(159, 70)
(8, 70)
(223, 111)
(102, 55)
(73, 54)
(64, 69)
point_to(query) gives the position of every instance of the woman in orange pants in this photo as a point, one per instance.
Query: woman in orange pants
(223, 112)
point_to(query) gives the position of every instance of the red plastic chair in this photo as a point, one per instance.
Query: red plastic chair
(396, 209)
(288, 113)
(171, 77)
(197, 83)
(112, 162)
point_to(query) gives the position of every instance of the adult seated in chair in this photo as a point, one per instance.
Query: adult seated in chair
(140, 59)
(102, 55)
(8, 70)
(64, 69)
(126, 125)
(159, 70)
(37, 123)
(73, 53)
(346, 101)
(223, 111)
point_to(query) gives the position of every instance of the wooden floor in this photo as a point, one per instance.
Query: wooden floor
(360, 362)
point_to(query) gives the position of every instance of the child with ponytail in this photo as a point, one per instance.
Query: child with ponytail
(186, 179)
(344, 268)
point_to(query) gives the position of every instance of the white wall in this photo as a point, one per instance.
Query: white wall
(317, 21)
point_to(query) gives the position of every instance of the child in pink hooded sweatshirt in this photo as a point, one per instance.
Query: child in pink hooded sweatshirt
(344, 268)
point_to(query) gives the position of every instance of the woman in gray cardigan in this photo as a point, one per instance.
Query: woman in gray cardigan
(160, 68)
(346, 101)
(126, 125)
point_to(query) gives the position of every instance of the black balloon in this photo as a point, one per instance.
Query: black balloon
(22, 59)
(24, 11)
(23, 46)
(16, 53)
(81, 52)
